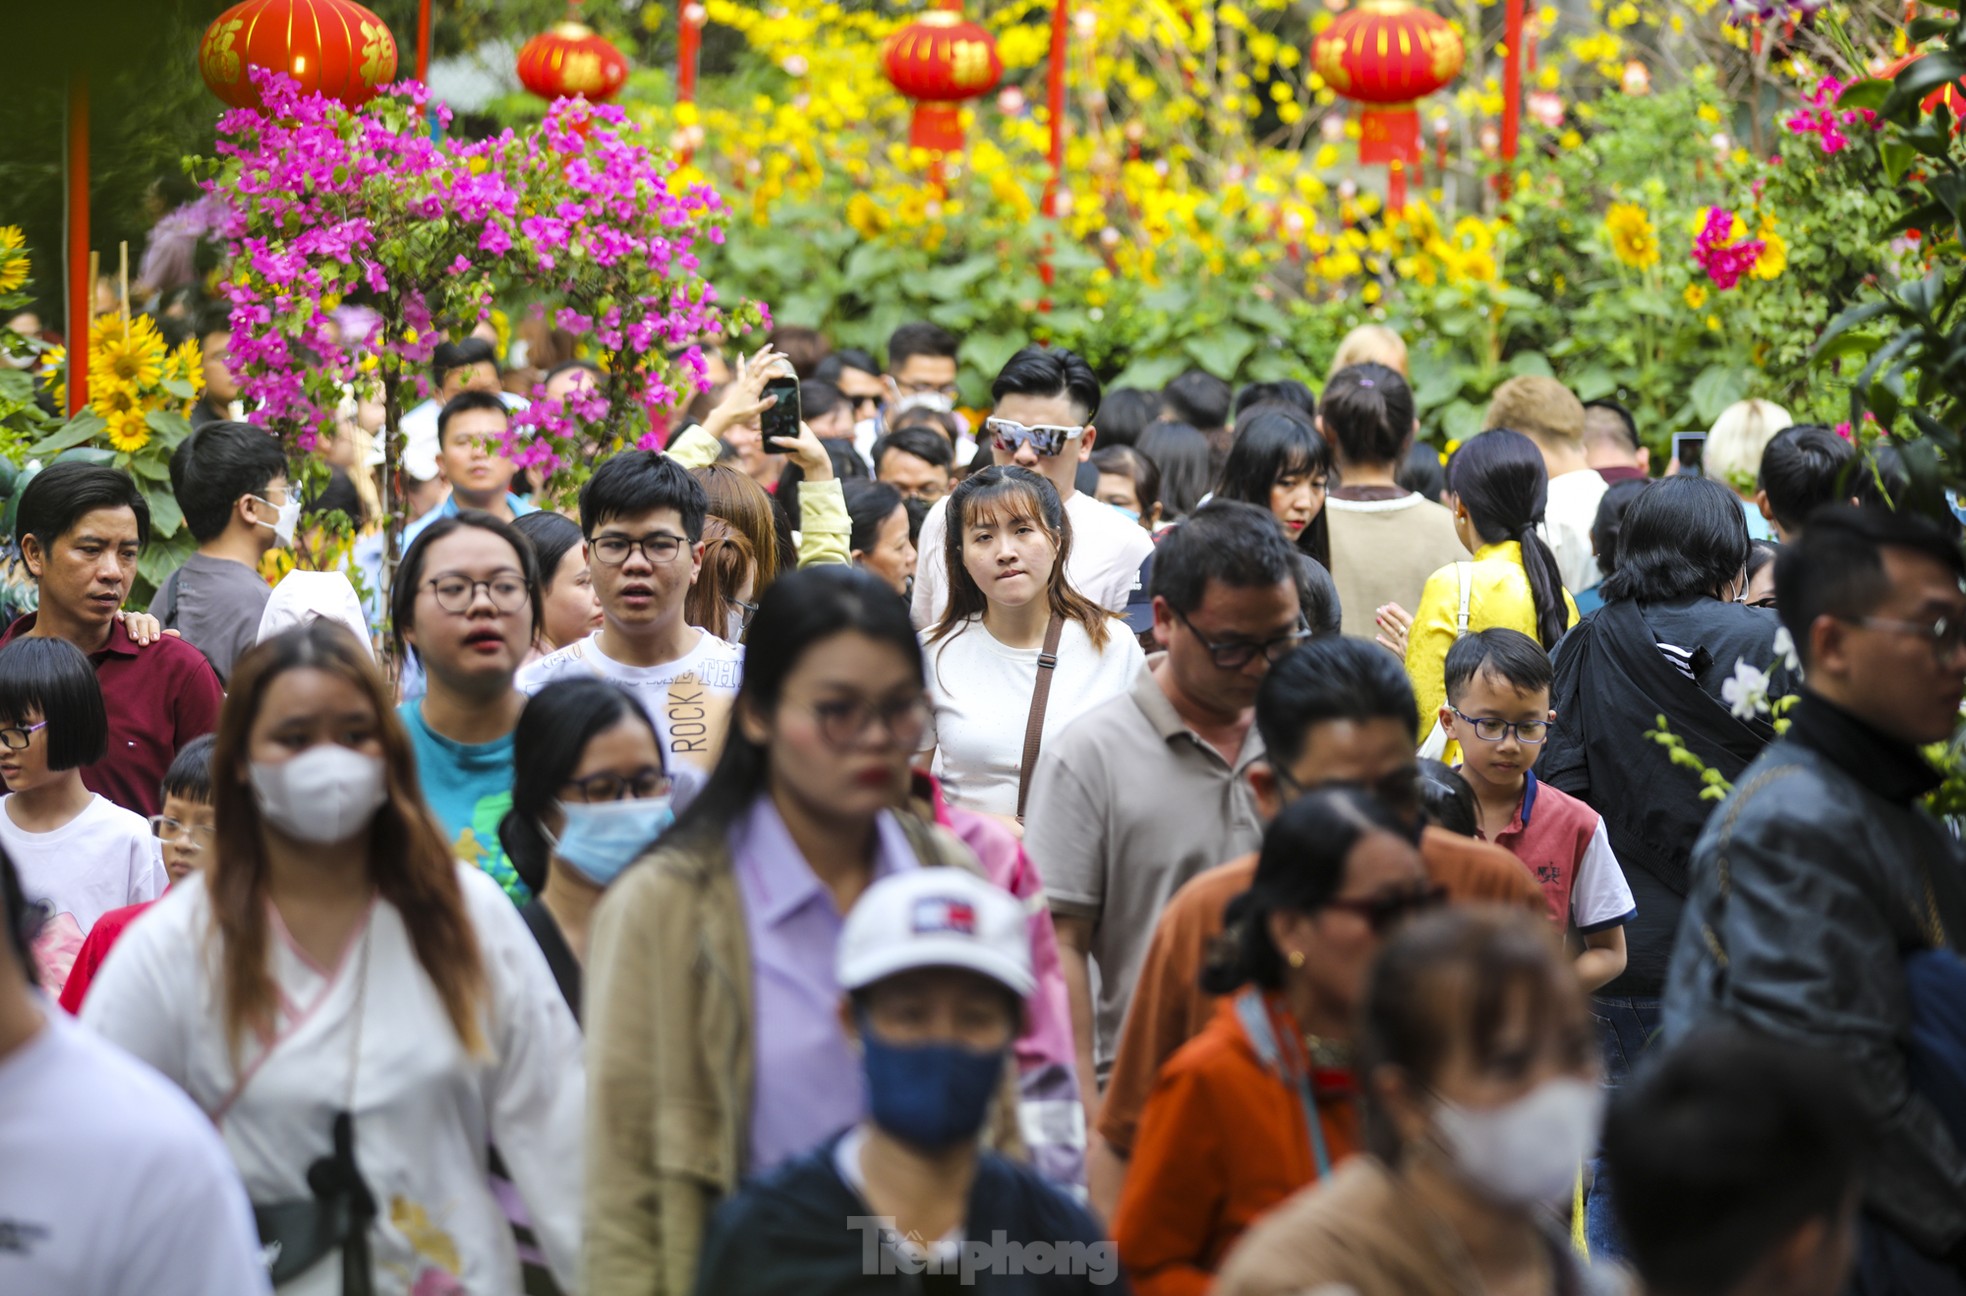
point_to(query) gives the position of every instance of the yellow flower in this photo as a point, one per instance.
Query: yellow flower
(1696, 296)
(1633, 240)
(1774, 256)
(135, 358)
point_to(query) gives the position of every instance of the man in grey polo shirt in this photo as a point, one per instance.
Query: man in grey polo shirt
(1147, 790)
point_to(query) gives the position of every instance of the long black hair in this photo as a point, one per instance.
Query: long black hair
(1500, 480)
(552, 735)
(798, 613)
(1272, 442)
(1306, 850)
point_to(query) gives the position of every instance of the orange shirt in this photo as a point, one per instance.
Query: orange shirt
(1169, 1007)
(1222, 1141)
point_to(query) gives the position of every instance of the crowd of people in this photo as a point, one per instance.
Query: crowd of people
(1184, 841)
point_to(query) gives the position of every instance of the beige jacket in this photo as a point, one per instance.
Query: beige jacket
(667, 1009)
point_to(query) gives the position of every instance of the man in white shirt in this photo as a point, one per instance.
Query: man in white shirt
(1546, 412)
(1045, 399)
(642, 516)
(111, 1182)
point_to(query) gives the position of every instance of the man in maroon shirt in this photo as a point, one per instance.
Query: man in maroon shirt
(80, 527)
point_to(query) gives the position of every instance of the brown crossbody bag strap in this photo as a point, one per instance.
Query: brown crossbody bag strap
(1034, 727)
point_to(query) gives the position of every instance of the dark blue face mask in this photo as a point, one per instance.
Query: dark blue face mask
(932, 1096)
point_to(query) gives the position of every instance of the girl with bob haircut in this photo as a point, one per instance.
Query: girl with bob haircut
(1477, 1073)
(1006, 551)
(590, 793)
(80, 854)
(1498, 486)
(1280, 463)
(373, 1014)
(1128, 480)
(569, 611)
(712, 996)
(1336, 872)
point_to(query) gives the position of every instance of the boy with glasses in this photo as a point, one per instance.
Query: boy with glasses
(1498, 709)
(642, 516)
(184, 833)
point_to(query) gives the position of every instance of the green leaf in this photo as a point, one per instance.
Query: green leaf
(1869, 93)
(989, 351)
(1897, 157)
(1717, 387)
(1149, 372)
(165, 516)
(1530, 364)
(77, 431)
(1221, 349)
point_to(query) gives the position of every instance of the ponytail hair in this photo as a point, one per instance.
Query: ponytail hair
(1500, 479)
(1306, 850)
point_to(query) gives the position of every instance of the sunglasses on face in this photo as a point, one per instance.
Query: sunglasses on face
(1382, 913)
(1046, 439)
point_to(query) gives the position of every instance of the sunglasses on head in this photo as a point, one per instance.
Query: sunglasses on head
(1045, 439)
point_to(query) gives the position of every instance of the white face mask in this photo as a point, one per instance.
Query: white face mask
(285, 518)
(1525, 1153)
(326, 794)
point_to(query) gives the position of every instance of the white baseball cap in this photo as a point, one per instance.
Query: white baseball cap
(936, 918)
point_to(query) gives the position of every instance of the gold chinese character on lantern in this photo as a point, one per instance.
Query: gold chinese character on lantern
(220, 61)
(969, 64)
(581, 73)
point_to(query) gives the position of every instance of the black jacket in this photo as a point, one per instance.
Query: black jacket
(1612, 685)
(1814, 880)
(801, 1231)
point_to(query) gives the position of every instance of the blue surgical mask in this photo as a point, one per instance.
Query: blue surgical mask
(930, 1096)
(599, 841)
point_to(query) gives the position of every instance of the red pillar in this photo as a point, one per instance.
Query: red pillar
(81, 293)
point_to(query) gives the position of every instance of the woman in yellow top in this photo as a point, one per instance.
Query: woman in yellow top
(1496, 486)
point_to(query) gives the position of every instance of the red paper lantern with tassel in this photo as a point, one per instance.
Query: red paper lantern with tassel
(1387, 55)
(571, 61)
(332, 47)
(940, 60)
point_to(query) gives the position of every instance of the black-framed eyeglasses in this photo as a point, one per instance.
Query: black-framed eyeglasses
(1946, 635)
(1238, 653)
(1046, 439)
(1384, 912)
(1494, 729)
(189, 838)
(507, 591)
(16, 737)
(607, 786)
(658, 547)
(843, 723)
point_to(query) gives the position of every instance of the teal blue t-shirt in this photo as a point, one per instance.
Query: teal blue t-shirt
(469, 788)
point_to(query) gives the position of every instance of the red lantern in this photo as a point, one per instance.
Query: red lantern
(570, 60)
(332, 47)
(1387, 54)
(939, 60)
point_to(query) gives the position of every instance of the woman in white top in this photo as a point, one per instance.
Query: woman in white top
(78, 853)
(1005, 551)
(339, 995)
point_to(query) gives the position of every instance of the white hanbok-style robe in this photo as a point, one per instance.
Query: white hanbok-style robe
(426, 1113)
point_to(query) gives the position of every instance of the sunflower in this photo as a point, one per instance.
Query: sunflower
(54, 372)
(1633, 240)
(127, 431)
(13, 261)
(135, 357)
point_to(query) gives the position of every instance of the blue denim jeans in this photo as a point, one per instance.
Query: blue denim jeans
(1625, 1026)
